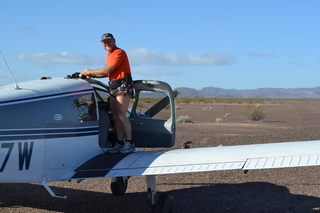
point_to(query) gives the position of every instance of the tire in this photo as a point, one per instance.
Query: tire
(119, 185)
(165, 204)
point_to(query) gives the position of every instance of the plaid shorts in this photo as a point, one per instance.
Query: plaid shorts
(124, 89)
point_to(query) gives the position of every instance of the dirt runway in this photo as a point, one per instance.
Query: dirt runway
(274, 190)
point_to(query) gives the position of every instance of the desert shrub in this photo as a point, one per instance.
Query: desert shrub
(227, 115)
(208, 108)
(254, 112)
(219, 120)
(184, 119)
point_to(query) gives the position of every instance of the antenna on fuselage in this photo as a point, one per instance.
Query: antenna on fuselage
(15, 83)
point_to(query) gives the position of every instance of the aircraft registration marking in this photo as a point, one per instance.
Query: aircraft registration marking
(24, 154)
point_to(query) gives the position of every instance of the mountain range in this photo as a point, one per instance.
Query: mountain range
(312, 93)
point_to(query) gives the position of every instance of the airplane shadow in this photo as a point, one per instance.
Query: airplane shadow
(246, 197)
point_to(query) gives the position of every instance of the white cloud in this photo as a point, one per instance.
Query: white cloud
(50, 60)
(261, 55)
(144, 56)
(136, 57)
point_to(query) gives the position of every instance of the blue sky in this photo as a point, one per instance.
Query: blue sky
(231, 44)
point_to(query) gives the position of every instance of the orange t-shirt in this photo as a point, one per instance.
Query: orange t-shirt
(118, 59)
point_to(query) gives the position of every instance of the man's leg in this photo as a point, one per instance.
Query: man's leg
(122, 104)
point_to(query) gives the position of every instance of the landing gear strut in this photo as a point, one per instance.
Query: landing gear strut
(165, 202)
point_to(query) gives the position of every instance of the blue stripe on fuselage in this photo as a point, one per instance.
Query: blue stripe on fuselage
(44, 96)
(28, 134)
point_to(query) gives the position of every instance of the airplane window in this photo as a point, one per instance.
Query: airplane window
(102, 93)
(154, 105)
(86, 108)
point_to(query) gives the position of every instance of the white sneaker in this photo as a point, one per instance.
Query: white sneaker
(115, 149)
(127, 147)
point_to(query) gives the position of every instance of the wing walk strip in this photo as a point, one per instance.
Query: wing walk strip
(98, 166)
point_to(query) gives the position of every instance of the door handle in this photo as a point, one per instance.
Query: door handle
(138, 123)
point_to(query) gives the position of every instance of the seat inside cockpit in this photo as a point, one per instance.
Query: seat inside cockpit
(107, 130)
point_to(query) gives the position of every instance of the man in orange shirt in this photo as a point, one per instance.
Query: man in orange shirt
(121, 90)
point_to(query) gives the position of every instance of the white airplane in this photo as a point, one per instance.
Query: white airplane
(61, 129)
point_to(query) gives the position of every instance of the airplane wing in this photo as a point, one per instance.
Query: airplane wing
(245, 157)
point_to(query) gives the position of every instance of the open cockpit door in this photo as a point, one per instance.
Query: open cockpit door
(107, 134)
(153, 114)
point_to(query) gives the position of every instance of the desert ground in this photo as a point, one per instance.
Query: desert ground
(272, 190)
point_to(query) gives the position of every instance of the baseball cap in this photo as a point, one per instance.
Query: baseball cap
(106, 36)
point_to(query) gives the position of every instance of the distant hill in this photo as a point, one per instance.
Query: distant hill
(253, 93)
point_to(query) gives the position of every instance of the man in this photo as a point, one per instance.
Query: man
(121, 90)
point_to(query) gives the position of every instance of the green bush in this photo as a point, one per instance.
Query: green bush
(254, 112)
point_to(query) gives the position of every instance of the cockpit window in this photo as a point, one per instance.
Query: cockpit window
(102, 95)
(154, 105)
(102, 91)
(86, 108)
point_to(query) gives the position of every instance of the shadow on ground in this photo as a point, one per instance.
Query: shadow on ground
(247, 197)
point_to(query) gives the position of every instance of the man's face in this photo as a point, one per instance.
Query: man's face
(109, 44)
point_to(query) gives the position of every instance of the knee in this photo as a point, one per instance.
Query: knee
(119, 118)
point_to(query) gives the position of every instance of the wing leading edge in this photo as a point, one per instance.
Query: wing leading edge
(245, 157)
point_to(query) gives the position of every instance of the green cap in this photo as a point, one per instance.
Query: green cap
(106, 36)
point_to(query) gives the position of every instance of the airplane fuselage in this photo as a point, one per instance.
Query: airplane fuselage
(47, 131)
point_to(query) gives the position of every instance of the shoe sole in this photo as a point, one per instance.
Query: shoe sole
(113, 151)
(127, 151)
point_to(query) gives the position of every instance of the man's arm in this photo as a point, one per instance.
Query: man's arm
(98, 73)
